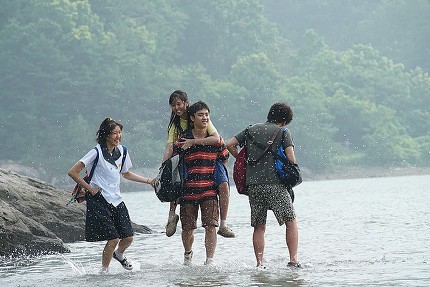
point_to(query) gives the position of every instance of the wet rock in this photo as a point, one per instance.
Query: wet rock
(34, 218)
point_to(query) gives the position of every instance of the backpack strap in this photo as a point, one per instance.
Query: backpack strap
(263, 147)
(87, 179)
(124, 155)
(276, 155)
(94, 166)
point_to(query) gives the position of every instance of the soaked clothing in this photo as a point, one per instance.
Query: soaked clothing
(265, 191)
(209, 212)
(107, 175)
(105, 221)
(106, 215)
(200, 163)
(264, 171)
(110, 157)
(174, 132)
(275, 197)
(221, 173)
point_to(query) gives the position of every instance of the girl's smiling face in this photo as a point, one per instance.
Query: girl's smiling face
(114, 137)
(179, 107)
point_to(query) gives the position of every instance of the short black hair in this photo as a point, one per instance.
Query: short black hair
(193, 109)
(197, 106)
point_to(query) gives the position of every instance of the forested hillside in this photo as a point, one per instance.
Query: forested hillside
(355, 73)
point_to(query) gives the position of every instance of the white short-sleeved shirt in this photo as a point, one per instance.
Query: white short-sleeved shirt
(107, 176)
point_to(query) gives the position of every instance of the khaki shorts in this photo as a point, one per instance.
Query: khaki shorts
(189, 213)
(273, 197)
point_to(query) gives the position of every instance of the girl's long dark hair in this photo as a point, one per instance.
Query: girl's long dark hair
(175, 120)
(106, 128)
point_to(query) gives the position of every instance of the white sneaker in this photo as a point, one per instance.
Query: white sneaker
(188, 258)
(104, 270)
(261, 267)
(209, 261)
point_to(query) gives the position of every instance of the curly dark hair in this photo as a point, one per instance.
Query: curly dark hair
(280, 112)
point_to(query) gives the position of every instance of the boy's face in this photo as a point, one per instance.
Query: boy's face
(201, 118)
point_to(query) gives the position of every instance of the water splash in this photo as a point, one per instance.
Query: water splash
(77, 268)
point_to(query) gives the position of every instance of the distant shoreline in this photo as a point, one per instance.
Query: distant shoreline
(341, 173)
(360, 172)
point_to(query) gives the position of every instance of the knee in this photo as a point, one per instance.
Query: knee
(127, 240)
(223, 187)
(260, 228)
(224, 184)
(291, 224)
(187, 234)
(113, 242)
(210, 228)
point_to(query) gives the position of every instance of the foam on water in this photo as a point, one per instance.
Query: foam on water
(76, 267)
(351, 232)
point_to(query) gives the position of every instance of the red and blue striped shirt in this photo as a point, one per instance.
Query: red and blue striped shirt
(200, 165)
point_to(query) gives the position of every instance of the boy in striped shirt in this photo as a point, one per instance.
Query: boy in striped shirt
(200, 189)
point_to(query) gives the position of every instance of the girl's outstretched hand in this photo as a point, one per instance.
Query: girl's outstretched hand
(152, 182)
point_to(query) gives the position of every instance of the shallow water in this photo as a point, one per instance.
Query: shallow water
(356, 232)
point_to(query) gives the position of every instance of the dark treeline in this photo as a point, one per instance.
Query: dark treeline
(355, 73)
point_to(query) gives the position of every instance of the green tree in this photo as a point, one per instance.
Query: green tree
(312, 125)
(219, 32)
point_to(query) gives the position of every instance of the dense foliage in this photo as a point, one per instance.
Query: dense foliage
(355, 73)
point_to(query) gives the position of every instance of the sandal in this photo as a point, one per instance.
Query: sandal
(294, 264)
(226, 231)
(123, 262)
(171, 225)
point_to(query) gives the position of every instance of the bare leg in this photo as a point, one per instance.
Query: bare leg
(258, 242)
(108, 252)
(124, 243)
(172, 209)
(292, 238)
(188, 239)
(224, 198)
(210, 241)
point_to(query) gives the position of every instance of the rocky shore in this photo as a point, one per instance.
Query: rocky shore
(35, 220)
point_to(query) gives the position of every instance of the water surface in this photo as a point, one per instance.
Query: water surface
(353, 232)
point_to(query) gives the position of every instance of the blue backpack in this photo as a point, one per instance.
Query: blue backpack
(288, 172)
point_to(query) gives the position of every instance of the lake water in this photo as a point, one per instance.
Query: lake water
(353, 232)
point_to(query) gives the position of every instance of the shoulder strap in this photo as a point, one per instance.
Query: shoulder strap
(276, 155)
(263, 147)
(124, 154)
(94, 166)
